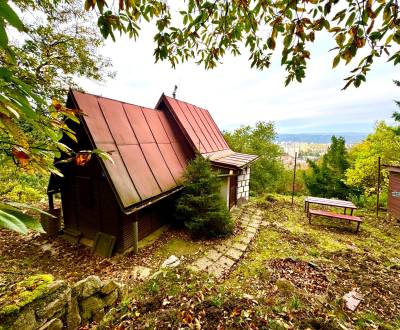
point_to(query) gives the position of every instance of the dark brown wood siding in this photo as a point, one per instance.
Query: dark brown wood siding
(232, 191)
(394, 191)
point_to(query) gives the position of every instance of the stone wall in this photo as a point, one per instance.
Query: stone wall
(243, 186)
(41, 303)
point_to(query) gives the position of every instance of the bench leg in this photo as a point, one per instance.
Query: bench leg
(345, 209)
(358, 226)
(351, 212)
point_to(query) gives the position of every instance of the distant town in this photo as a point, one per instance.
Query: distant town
(310, 146)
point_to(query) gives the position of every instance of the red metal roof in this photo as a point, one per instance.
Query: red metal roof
(149, 154)
(203, 134)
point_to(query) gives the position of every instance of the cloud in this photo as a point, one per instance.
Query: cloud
(237, 95)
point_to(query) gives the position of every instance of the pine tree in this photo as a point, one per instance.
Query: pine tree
(327, 176)
(200, 207)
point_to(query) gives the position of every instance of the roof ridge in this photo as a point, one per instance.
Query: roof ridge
(111, 99)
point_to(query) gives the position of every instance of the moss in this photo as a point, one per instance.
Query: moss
(24, 292)
(178, 247)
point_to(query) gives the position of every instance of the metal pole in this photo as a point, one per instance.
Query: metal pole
(294, 174)
(379, 186)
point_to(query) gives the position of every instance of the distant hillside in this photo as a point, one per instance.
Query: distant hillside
(350, 138)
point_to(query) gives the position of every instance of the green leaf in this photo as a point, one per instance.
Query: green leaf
(336, 61)
(3, 35)
(350, 20)
(9, 221)
(10, 16)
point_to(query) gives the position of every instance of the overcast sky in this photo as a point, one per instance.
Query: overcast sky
(237, 95)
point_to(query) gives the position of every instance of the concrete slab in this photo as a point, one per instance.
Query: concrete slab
(225, 262)
(245, 240)
(202, 263)
(234, 254)
(213, 255)
(240, 246)
(216, 270)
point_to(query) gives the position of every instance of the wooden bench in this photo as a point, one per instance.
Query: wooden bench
(334, 216)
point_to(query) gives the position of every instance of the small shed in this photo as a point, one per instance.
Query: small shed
(394, 191)
(131, 197)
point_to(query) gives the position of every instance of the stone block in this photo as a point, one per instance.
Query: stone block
(25, 321)
(54, 306)
(234, 254)
(225, 262)
(202, 263)
(241, 177)
(251, 230)
(73, 316)
(240, 189)
(109, 286)
(98, 315)
(240, 247)
(216, 270)
(55, 286)
(53, 324)
(87, 286)
(247, 177)
(111, 298)
(245, 239)
(213, 254)
(246, 188)
(91, 305)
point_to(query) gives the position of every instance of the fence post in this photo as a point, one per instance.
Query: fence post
(294, 174)
(379, 186)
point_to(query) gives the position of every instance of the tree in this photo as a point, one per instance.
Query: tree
(396, 114)
(200, 206)
(327, 176)
(207, 30)
(384, 143)
(36, 71)
(267, 171)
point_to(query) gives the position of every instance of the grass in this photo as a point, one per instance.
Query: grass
(294, 275)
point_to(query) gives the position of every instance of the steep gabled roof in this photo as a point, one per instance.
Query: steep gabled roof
(148, 153)
(203, 134)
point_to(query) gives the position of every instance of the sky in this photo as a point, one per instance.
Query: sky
(237, 95)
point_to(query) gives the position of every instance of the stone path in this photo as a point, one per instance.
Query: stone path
(219, 260)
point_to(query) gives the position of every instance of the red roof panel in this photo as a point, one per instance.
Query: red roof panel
(117, 121)
(119, 175)
(140, 171)
(94, 117)
(138, 123)
(158, 166)
(213, 134)
(156, 126)
(172, 160)
(183, 120)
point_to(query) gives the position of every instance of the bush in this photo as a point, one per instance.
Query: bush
(200, 206)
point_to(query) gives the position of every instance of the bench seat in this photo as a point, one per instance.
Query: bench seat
(334, 215)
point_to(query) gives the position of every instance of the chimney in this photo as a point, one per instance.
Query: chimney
(174, 92)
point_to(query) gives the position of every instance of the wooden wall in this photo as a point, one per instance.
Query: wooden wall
(394, 189)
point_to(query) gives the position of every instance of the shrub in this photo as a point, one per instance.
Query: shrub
(200, 206)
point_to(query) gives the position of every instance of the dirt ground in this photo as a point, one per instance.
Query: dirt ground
(293, 276)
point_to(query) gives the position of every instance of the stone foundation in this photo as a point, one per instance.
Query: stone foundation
(243, 186)
(41, 303)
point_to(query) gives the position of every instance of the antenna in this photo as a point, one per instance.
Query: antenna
(174, 92)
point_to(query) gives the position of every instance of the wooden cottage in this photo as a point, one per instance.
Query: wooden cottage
(131, 197)
(394, 191)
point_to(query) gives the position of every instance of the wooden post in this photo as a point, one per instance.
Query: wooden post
(378, 186)
(135, 235)
(51, 202)
(294, 174)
